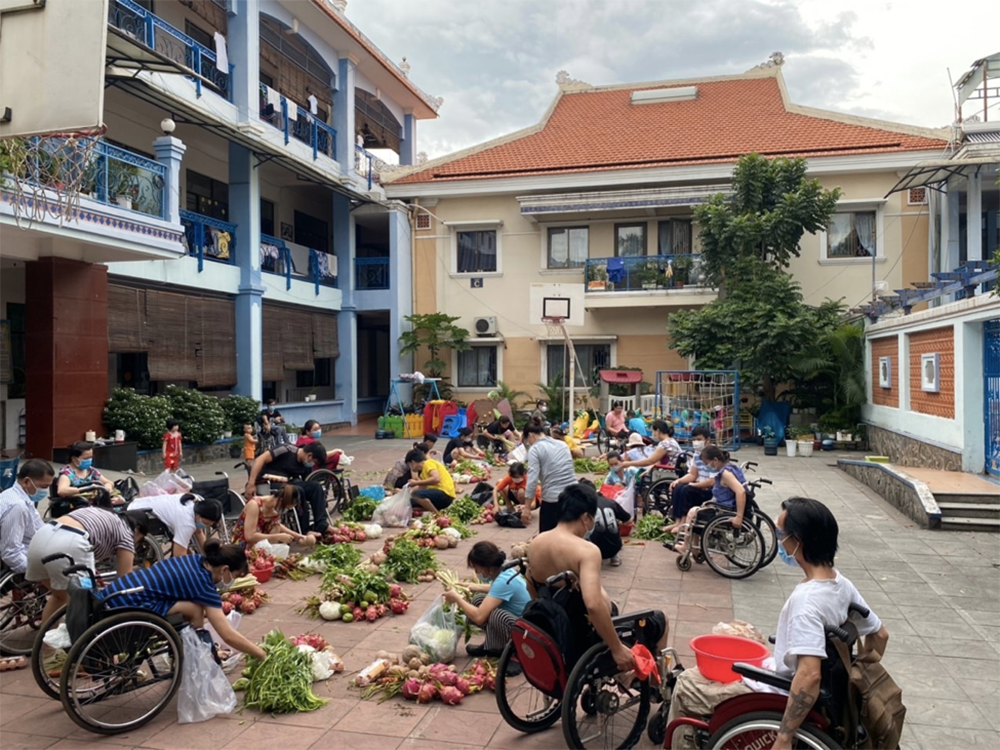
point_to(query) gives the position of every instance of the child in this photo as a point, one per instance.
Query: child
(173, 447)
(618, 477)
(510, 489)
(637, 423)
(249, 444)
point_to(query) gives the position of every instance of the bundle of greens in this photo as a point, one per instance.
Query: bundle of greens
(650, 527)
(360, 510)
(336, 555)
(406, 560)
(282, 683)
(464, 509)
(590, 466)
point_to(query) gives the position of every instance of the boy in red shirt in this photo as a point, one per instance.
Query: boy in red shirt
(173, 448)
(510, 489)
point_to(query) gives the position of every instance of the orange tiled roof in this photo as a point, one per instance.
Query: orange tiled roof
(600, 129)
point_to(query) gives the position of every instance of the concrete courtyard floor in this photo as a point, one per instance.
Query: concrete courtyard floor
(937, 592)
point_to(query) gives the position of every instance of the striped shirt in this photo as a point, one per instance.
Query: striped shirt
(19, 520)
(549, 462)
(108, 533)
(177, 579)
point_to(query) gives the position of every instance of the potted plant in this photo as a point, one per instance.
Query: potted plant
(650, 275)
(790, 434)
(804, 439)
(121, 183)
(682, 270)
(770, 441)
(597, 278)
(236, 447)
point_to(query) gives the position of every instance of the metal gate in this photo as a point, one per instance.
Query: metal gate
(991, 394)
(689, 398)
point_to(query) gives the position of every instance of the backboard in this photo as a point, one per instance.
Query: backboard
(52, 62)
(557, 300)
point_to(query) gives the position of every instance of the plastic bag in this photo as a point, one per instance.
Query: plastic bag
(520, 453)
(437, 631)
(395, 511)
(234, 618)
(58, 638)
(375, 492)
(739, 628)
(205, 691)
(167, 483)
(277, 551)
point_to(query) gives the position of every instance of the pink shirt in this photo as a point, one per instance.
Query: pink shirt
(615, 422)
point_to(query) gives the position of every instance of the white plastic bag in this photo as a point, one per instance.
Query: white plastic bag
(167, 483)
(394, 511)
(58, 638)
(234, 618)
(626, 499)
(520, 453)
(437, 631)
(205, 691)
(277, 551)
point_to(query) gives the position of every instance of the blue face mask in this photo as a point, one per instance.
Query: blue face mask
(200, 526)
(786, 558)
(86, 463)
(40, 494)
(317, 434)
(483, 579)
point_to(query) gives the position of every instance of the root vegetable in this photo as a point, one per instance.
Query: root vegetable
(382, 655)
(411, 652)
(425, 658)
(441, 542)
(414, 663)
(414, 674)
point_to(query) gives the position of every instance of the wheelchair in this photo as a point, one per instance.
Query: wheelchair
(21, 605)
(338, 490)
(752, 720)
(537, 684)
(124, 665)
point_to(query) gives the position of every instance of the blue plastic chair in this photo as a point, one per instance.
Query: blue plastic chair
(451, 426)
(8, 473)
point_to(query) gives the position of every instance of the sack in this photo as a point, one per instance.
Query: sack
(394, 511)
(882, 710)
(437, 631)
(508, 518)
(205, 691)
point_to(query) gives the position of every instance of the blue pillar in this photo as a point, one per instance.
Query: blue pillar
(408, 145)
(169, 151)
(244, 211)
(401, 291)
(243, 47)
(343, 113)
(347, 324)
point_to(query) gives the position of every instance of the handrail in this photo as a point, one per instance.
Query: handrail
(644, 272)
(318, 261)
(364, 162)
(195, 229)
(371, 273)
(304, 127)
(284, 260)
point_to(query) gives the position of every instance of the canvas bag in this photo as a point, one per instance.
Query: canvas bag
(882, 710)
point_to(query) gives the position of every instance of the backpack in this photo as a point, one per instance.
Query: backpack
(882, 709)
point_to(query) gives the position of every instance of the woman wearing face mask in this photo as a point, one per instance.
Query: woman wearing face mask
(310, 434)
(727, 492)
(695, 487)
(185, 517)
(498, 599)
(189, 586)
(79, 474)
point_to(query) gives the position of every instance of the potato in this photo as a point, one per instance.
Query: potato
(414, 663)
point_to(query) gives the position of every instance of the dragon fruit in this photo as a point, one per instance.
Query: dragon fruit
(371, 614)
(397, 606)
(463, 686)
(448, 678)
(410, 689)
(451, 696)
(395, 591)
(426, 693)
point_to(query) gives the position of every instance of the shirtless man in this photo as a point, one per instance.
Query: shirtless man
(566, 548)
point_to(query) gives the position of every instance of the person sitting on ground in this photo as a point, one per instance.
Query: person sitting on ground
(566, 548)
(88, 536)
(261, 520)
(19, 519)
(510, 490)
(428, 443)
(614, 421)
(291, 464)
(695, 487)
(188, 586)
(432, 485)
(502, 435)
(462, 448)
(637, 423)
(667, 449)
(728, 493)
(498, 599)
(551, 465)
(311, 433)
(79, 476)
(618, 476)
(399, 475)
(185, 517)
(558, 432)
(807, 539)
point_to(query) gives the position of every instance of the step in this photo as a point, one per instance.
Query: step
(969, 510)
(977, 498)
(970, 524)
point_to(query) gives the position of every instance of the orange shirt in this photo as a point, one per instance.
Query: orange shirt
(508, 484)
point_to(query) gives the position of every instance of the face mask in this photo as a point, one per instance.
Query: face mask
(39, 494)
(86, 463)
(224, 585)
(698, 445)
(200, 526)
(483, 579)
(543, 409)
(317, 434)
(786, 558)
(590, 532)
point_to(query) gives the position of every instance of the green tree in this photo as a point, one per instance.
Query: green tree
(434, 332)
(837, 362)
(772, 206)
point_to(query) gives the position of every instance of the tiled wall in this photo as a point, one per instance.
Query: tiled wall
(885, 347)
(906, 451)
(939, 341)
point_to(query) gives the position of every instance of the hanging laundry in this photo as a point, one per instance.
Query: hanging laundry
(222, 243)
(313, 105)
(293, 110)
(221, 55)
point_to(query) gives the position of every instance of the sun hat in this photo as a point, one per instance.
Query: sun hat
(635, 441)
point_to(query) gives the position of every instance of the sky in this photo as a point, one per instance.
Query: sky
(495, 61)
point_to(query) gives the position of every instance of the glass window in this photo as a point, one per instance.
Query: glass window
(630, 240)
(477, 367)
(568, 247)
(267, 217)
(199, 35)
(477, 251)
(592, 357)
(674, 237)
(320, 376)
(206, 196)
(851, 235)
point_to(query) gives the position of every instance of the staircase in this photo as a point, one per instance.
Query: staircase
(964, 511)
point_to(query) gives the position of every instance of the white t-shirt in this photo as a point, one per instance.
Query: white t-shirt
(813, 607)
(175, 516)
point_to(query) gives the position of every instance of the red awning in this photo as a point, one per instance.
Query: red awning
(621, 376)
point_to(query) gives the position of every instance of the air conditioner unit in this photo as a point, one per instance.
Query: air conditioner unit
(485, 326)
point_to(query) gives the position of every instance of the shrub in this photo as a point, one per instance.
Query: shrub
(240, 410)
(201, 416)
(143, 418)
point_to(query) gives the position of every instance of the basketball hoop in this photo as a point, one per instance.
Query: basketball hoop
(45, 174)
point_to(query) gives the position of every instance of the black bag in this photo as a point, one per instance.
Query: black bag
(510, 519)
(482, 493)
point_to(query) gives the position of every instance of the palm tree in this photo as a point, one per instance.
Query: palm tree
(840, 358)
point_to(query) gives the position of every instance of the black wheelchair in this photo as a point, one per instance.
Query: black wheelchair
(123, 665)
(21, 605)
(752, 720)
(538, 682)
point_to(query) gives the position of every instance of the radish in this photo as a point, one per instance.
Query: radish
(426, 693)
(410, 689)
(451, 696)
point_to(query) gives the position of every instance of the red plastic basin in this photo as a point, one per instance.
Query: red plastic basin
(263, 575)
(716, 654)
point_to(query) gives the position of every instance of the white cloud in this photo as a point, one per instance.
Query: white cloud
(494, 61)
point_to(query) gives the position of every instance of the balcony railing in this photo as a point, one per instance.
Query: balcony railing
(643, 273)
(371, 273)
(365, 164)
(209, 238)
(320, 270)
(295, 121)
(158, 35)
(277, 258)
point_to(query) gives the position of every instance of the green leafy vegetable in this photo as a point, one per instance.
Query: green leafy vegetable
(589, 466)
(407, 560)
(650, 527)
(344, 556)
(360, 510)
(282, 683)
(464, 509)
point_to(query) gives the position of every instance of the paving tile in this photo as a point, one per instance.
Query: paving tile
(414, 744)
(443, 723)
(206, 735)
(262, 735)
(19, 741)
(16, 708)
(356, 739)
(322, 718)
(928, 737)
(944, 713)
(393, 719)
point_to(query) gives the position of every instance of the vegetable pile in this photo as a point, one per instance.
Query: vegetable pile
(347, 531)
(282, 683)
(406, 560)
(413, 676)
(360, 510)
(590, 466)
(486, 515)
(355, 595)
(650, 527)
(291, 569)
(464, 509)
(476, 471)
(246, 601)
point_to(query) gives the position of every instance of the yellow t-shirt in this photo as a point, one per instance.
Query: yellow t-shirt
(572, 442)
(446, 484)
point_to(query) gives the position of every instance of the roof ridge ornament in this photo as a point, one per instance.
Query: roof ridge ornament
(404, 66)
(564, 81)
(776, 60)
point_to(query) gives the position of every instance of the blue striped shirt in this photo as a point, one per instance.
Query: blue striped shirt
(177, 579)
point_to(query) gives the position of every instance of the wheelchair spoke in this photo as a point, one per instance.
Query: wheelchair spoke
(20, 617)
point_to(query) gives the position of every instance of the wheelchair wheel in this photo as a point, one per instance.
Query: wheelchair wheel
(684, 563)
(656, 730)
(121, 672)
(732, 553)
(47, 663)
(602, 708)
(758, 729)
(21, 605)
(769, 533)
(603, 441)
(658, 497)
(147, 553)
(521, 704)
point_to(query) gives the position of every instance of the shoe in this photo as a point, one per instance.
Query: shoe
(474, 650)
(513, 669)
(615, 561)
(669, 546)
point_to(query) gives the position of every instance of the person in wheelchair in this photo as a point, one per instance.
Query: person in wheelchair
(184, 517)
(728, 493)
(19, 519)
(261, 520)
(79, 476)
(290, 464)
(87, 536)
(807, 534)
(695, 487)
(188, 586)
(566, 548)
(667, 449)
(310, 434)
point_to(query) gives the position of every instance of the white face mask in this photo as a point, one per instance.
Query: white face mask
(698, 445)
